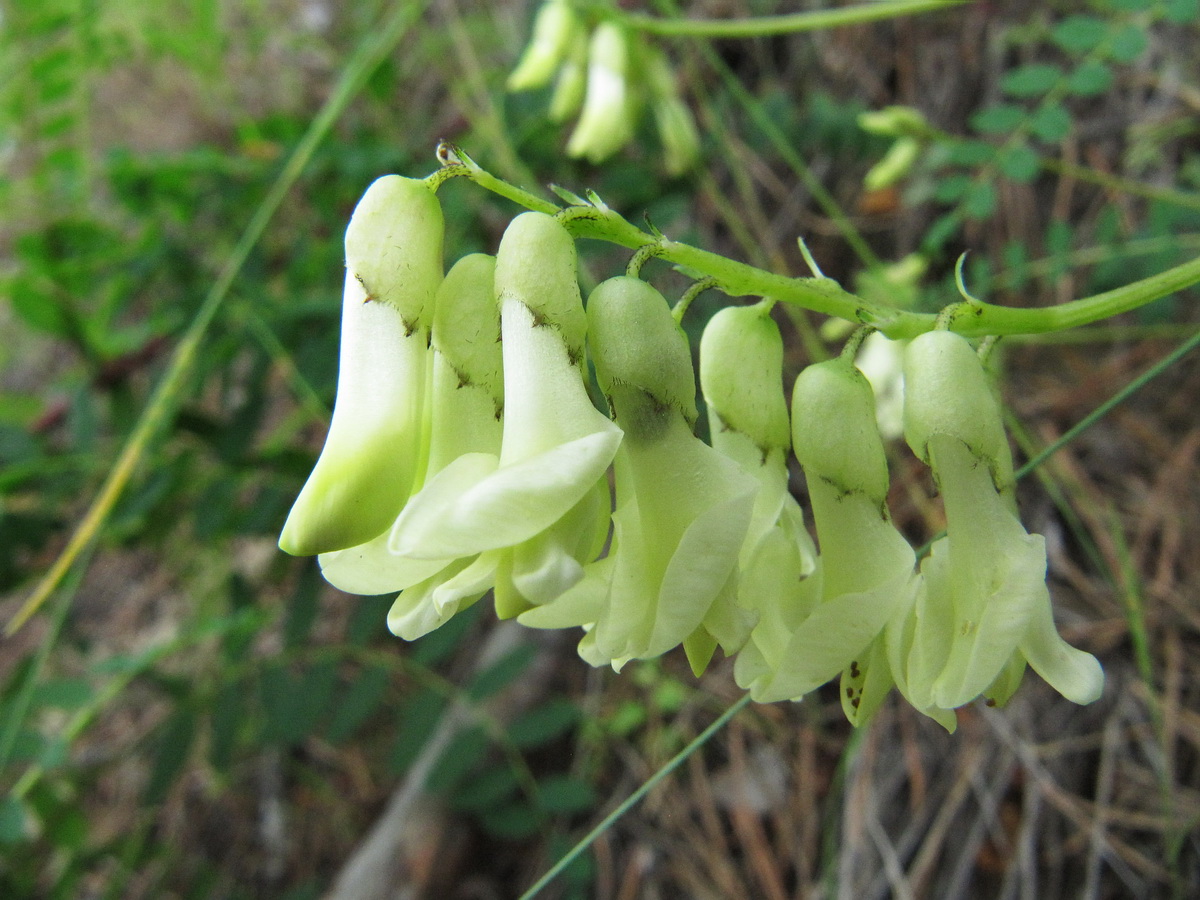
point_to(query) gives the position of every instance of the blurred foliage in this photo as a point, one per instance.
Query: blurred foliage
(136, 140)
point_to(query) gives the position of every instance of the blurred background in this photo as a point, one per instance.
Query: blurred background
(195, 715)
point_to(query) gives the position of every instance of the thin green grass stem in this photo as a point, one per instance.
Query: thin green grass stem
(371, 51)
(633, 799)
(20, 704)
(1108, 405)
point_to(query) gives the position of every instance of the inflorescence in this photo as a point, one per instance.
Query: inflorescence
(465, 456)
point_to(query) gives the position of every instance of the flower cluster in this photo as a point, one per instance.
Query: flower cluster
(606, 76)
(465, 455)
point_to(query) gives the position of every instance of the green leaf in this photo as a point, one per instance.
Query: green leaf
(565, 795)
(364, 695)
(951, 188)
(1090, 78)
(515, 823)
(62, 693)
(545, 723)
(940, 232)
(1016, 265)
(970, 153)
(998, 119)
(488, 790)
(1051, 123)
(369, 618)
(225, 717)
(1020, 163)
(1127, 44)
(419, 717)
(302, 611)
(1030, 80)
(466, 751)
(980, 201)
(12, 820)
(174, 744)
(1079, 33)
(1182, 12)
(499, 675)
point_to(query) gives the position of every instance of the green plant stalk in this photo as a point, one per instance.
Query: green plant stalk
(632, 800)
(765, 26)
(370, 52)
(824, 295)
(20, 704)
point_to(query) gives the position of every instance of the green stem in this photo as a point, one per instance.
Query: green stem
(699, 741)
(765, 26)
(824, 295)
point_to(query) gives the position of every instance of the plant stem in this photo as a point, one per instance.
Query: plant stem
(607, 822)
(765, 26)
(824, 295)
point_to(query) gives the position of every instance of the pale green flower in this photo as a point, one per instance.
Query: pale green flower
(832, 622)
(464, 416)
(682, 509)
(556, 29)
(570, 85)
(607, 121)
(373, 450)
(984, 608)
(741, 376)
(537, 511)
(676, 125)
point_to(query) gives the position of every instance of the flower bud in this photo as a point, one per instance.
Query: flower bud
(946, 392)
(640, 352)
(533, 511)
(466, 326)
(606, 123)
(682, 509)
(571, 84)
(983, 606)
(741, 376)
(834, 434)
(894, 166)
(865, 565)
(556, 27)
(462, 416)
(894, 121)
(676, 126)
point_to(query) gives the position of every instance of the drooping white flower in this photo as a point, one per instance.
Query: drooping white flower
(464, 416)
(682, 509)
(534, 511)
(606, 123)
(741, 376)
(865, 567)
(984, 608)
(373, 450)
(556, 29)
